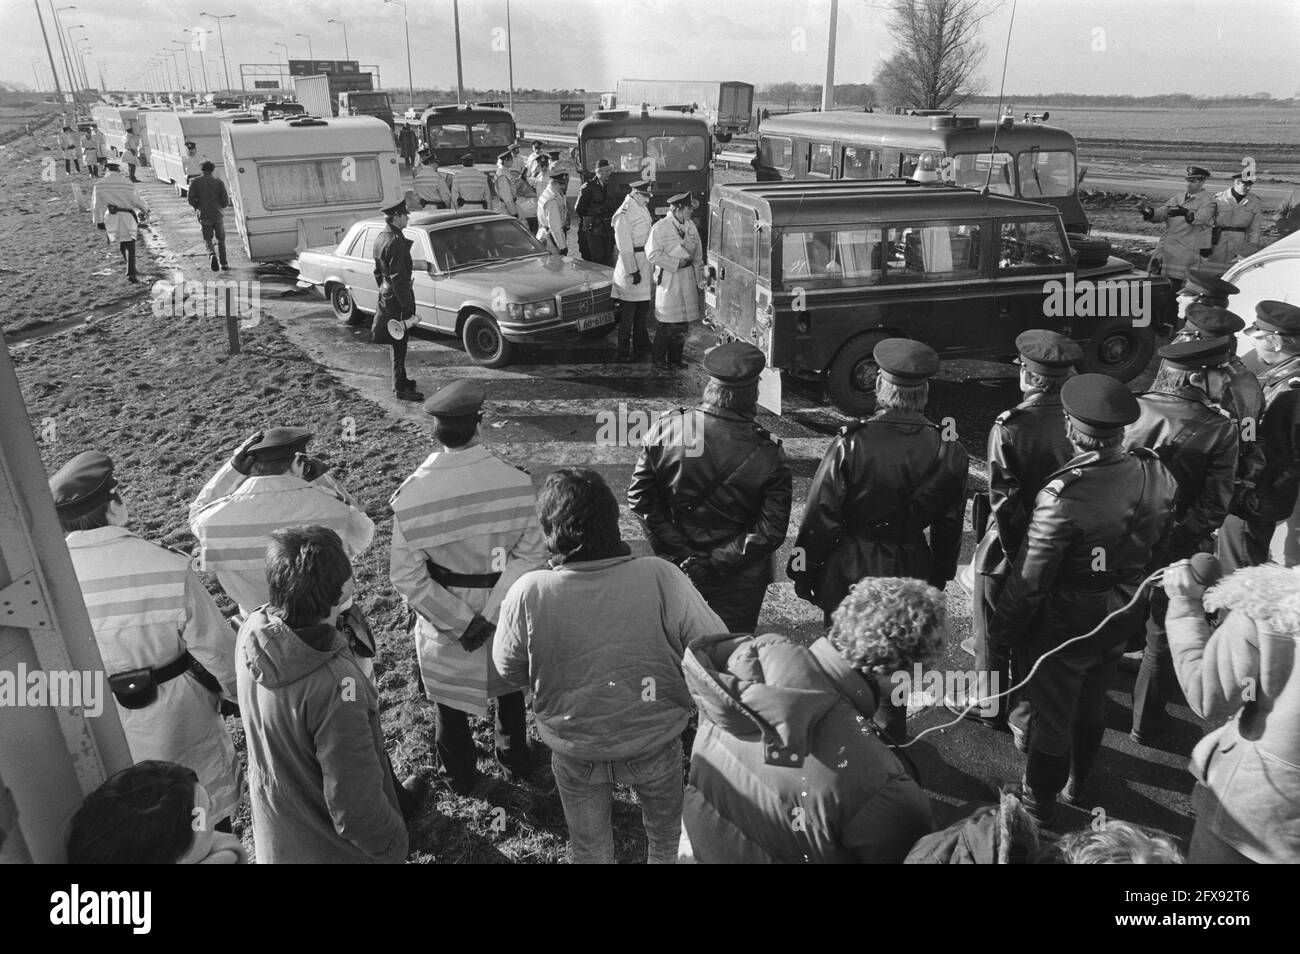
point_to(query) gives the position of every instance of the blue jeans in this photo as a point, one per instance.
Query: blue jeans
(587, 794)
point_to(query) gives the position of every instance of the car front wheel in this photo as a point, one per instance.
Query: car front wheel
(851, 377)
(1120, 349)
(484, 342)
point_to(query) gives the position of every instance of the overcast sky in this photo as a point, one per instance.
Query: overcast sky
(1205, 47)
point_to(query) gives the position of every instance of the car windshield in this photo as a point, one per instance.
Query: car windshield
(483, 241)
(1044, 173)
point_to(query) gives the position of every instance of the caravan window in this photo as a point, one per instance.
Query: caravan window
(316, 182)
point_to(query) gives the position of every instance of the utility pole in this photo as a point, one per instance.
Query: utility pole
(460, 76)
(510, 56)
(48, 52)
(347, 55)
(63, 48)
(828, 91)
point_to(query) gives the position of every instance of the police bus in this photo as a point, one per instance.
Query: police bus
(1030, 160)
(452, 131)
(672, 150)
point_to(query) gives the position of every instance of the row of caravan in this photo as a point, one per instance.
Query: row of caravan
(293, 182)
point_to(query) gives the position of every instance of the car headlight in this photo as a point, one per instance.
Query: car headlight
(531, 309)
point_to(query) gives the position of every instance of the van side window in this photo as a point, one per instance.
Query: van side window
(840, 256)
(819, 159)
(739, 242)
(1046, 173)
(861, 163)
(933, 253)
(775, 151)
(1030, 246)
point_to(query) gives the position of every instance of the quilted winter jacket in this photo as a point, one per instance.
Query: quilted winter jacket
(785, 769)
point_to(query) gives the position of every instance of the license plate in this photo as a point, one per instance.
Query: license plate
(710, 297)
(594, 321)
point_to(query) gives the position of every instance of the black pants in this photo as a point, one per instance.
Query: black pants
(400, 381)
(131, 174)
(1157, 683)
(215, 230)
(633, 338)
(67, 165)
(455, 744)
(1244, 542)
(596, 247)
(127, 249)
(670, 342)
(738, 603)
(1000, 674)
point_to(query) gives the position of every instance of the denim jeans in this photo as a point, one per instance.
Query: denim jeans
(587, 794)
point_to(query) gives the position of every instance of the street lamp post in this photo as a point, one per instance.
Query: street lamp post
(310, 54)
(188, 72)
(198, 36)
(410, 83)
(81, 53)
(288, 80)
(72, 59)
(510, 56)
(347, 54)
(460, 78)
(176, 66)
(63, 47)
(225, 64)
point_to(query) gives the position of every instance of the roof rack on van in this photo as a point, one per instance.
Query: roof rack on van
(307, 121)
(951, 121)
(245, 119)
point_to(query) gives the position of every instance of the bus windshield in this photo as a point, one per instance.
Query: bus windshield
(368, 99)
(670, 153)
(1046, 173)
(970, 170)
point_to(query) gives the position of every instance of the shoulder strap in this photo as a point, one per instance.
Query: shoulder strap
(724, 474)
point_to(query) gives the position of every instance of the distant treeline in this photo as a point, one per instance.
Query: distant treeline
(865, 94)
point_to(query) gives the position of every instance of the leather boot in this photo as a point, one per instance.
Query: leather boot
(1085, 745)
(1044, 776)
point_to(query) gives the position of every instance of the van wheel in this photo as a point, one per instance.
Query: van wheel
(1089, 252)
(851, 377)
(1120, 350)
(484, 342)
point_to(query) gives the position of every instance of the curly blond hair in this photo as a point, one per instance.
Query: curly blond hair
(1119, 843)
(886, 624)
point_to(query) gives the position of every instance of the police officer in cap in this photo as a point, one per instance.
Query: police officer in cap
(1091, 536)
(469, 186)
(464, 530)
(632, 223)
(595, 208)
(712, 489)
(394, 276)
(553, 212)
(882, 483)
(1244, 539)
(1026, 444)
(168, 652)
(1244, 398)
(1207, 286)
(1188, 236)
(1182, 420)
(429, 184)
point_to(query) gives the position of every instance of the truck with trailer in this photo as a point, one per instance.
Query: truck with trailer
(338, 94)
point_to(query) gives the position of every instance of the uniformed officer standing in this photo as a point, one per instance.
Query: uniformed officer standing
(1093, 531)
(1183, 421)
(429, 184)
(677, 255)
(1188, 237)
(504, 186)
(71, 154)
(1239, 217)
(883, 481)
(269, 483)
(1026, 444)
(464, 530)
(394, 276)
(553, 213)
(1246, 534)
(712, 489)
(169, 654)
(1243, 399)
(632, 223)
(594, 208)
(469, 186)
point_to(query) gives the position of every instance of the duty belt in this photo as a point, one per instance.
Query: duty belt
(887, 533)
(473, 581)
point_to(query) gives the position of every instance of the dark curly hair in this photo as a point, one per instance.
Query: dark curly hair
(888, 624)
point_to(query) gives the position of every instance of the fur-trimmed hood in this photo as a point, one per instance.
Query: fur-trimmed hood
(1269, 595)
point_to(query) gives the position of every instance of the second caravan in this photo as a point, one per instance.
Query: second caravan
(169, 131)
(303, 182)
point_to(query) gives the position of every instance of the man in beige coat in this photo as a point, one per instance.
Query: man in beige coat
(677, 256)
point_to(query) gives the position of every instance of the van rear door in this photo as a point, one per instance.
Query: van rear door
(733, 253)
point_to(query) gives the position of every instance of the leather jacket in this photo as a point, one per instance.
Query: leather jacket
(742, 521)
(883, 481)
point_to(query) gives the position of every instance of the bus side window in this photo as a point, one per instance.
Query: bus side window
(907, 163)
(819, 159)
(860, 163)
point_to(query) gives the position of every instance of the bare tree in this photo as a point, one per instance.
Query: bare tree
(938, 52)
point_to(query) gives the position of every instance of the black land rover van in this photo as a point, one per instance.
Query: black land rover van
(815, 273)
